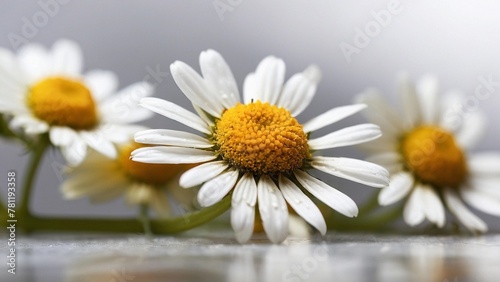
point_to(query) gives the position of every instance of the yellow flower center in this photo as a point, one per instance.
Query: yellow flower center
(261, 138)
(153, 174)
(432, 154)
(64, 102)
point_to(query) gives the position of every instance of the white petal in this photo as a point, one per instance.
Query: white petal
(243, 207)
(219, 77)
(10, 110)
(171, 138)
(177, 113)
(355, 170)
(413, 213)
(34, 60)
(37, 128)
(265, 83)
(209, 120)
(82, 183)
(62, 136)
(195, 88)
(453, 115)
(201, 173)
(464, 215)
(302, 204)
(273, 210)
(66, 58)
(299, 90)
(486, 184)
(381, 113)
(472, 130)
(327, 194)
(347, 136)
(108, 193)
(485, 164)
(399, 187)
(432, 205)
(332, 116)
(124, 106)
(30, 124)
(251, 87)
(101, 83)
(120, 133)
(75, 152)
(410, 101)
(12, 78)
(13, 102)
(97, 141)
(171, 155)
(430, 104)
(481, 201)
(214, 190)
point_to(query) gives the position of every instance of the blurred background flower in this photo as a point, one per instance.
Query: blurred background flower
(44, 91)
(102, 179)
(425, 147)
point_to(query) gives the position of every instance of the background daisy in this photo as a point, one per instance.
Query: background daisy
(425, 148)
(257, 150)
(44, 91)
(102, 179)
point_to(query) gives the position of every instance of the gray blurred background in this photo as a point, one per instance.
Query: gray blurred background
(459, 41)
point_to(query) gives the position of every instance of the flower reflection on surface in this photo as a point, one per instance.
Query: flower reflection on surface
(343, 257)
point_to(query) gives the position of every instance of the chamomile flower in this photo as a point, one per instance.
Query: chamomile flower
(102, 179)
(425, 148)
(257, 150)
(44, 91)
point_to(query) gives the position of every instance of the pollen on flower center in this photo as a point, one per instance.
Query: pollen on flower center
(64, 102)
(154, 174)
(432, 154)
(261, 138)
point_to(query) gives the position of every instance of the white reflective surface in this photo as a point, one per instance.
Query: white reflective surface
(215, 257)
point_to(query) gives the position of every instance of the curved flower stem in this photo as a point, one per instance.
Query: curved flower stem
(158, 226)
(375, 222)
(191, 220)
(31, 172)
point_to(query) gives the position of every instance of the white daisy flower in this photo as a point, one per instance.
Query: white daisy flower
(44, 91)
(102, 179)
(257, 149)
(425, 148)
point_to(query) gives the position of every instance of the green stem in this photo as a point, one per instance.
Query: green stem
(158, 226)
(4, 128)
(31, 172)
(3, 216)
(3, 209)
(8, 133)
(375, 222)
(191, 220)
(144, 218)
